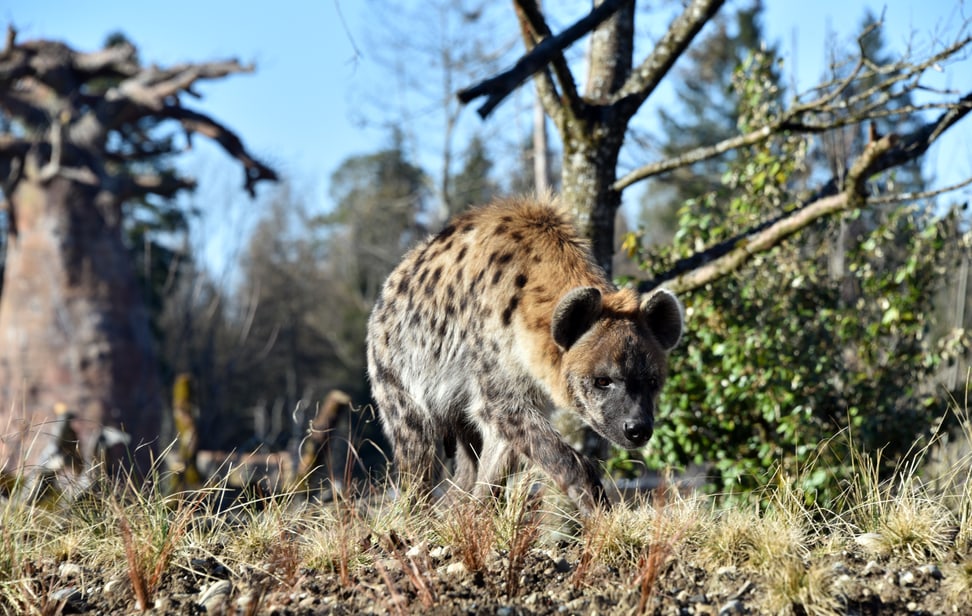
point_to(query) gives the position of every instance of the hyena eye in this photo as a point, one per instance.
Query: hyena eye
(602, 382)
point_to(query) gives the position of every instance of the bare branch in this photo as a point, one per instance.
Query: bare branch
(39, 96)
(534, 28)
(193, 121)
(704, 267)
(31, 58)
(118, 60)
(30, 102)
(151, 87)
(920, 140)
(696, 155)
(825, 113)
(646, 77)
(730, 255)
(917, 196)
(166, 185)
(499, 87)
(9, 40)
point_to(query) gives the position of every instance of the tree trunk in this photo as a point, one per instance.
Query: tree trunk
(593, 142)
(588, 173)
(73, 327)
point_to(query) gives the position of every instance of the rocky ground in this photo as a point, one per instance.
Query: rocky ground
(543, 581)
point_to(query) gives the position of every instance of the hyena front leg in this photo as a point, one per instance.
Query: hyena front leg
(532, 435)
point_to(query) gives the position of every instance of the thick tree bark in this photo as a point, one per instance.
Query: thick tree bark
(588, 174)
(73, 328)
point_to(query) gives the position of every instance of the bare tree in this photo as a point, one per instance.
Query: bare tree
(82, 133)
(592, 124)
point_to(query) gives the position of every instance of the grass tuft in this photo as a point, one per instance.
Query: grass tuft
(470, 528)
(900, 516)
(793, 587)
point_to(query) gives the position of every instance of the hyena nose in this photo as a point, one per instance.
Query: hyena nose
(637, 431)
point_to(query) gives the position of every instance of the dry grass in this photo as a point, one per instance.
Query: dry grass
(751, 538)
(470, 529)
(905, 516)
(793, 587)
(518, 527)
(784, 546)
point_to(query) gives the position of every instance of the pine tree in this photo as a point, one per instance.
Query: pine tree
(473, 185)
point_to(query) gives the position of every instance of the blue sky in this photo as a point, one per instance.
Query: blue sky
(296, 111)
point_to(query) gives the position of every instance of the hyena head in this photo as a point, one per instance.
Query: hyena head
(614, 362)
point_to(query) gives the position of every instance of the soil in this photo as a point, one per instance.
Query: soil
(547, 581)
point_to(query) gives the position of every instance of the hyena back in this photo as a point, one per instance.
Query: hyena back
(487, 327)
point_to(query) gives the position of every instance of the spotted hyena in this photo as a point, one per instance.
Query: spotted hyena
(486, 328)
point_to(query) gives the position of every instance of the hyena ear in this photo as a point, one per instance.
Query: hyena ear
(665, 317)
(574, 315)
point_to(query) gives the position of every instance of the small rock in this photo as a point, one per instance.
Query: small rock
(838, 567)
(417, 551)
(455, 568)
(532, 599)
(111, 586)
(577, 606)
(390, 564)
(907, 578)
(71, 597)
(439, 552)
(727, 570)
(213, 598)
(703, 609)
(307, 603)
(68, 570)
(912, 606)
(731, 607)
(504, 611)
(162, 605)
(931, 570)
(887, 588)
(561, 565)
(872, 542)
(872, 568)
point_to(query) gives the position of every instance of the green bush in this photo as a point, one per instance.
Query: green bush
(788, 351)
